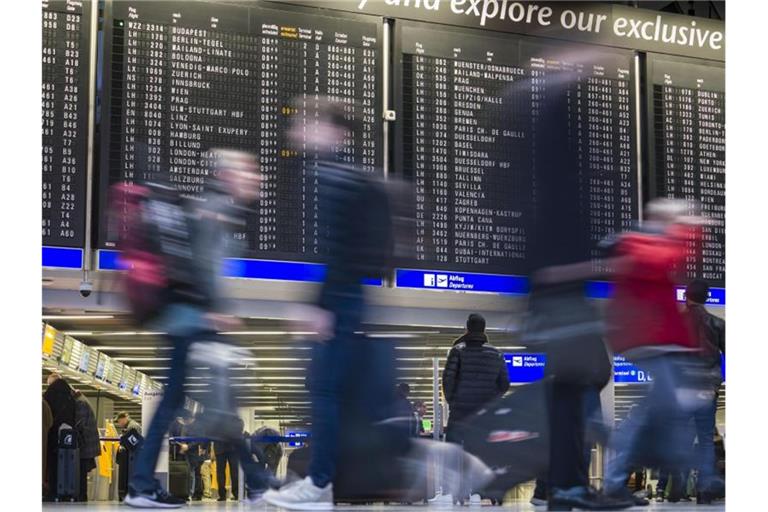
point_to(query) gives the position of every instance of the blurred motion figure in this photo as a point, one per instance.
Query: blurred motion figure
(193, 236)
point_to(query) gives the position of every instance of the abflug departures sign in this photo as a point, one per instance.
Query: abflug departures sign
(596, 23)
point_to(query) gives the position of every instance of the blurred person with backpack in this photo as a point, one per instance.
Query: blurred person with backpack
(646, 325)
(173, 249)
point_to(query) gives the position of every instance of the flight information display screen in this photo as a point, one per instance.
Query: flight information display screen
(687, 143)
(521, 151)
(184, 77)
(65, 84)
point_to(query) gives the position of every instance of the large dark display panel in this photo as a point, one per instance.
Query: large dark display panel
(522, 152)
(66, 54)
(687, 144)
(184, 77)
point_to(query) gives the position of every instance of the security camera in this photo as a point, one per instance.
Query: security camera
(86, 288)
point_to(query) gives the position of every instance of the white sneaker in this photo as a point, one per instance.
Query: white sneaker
(475, 500)
(538, 502)
(301, 495)
(441, 499)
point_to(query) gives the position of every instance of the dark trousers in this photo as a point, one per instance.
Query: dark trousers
(233, 459)
(704, 420)
(185, 322)
(195, 465)
(568, 465)
(350, 370)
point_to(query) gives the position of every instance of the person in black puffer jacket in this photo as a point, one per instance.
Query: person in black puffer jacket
(475, 373)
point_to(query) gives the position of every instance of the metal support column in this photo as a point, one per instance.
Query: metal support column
(92, 63)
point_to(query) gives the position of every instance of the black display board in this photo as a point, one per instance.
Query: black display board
(184, 77)
(686, 143)
(505, 137)
(65, 64)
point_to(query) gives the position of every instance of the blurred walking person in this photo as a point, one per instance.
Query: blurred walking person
(192, 245)
(356, 243)
(563, 323)
(648, 328)
(710, 333)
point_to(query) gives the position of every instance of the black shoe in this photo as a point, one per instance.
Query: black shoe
(158, 499)
(197, 498)
(624, 495)
(584, 498)
(660, 496)
(704, 498)
(221, 498)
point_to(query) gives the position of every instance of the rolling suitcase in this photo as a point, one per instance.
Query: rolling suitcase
(511, 436)
(68, 465)
(178, 479)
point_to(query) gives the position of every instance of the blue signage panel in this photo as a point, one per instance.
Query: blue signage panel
(524, 368)
(716, 296)
(299, 437)
(626, 372)
(251, 269)
(604, 290)
(62, 257)
(461, 281)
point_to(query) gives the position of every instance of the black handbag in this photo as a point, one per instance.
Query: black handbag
(564, 325)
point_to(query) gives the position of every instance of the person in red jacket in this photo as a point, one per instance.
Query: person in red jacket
(646, 325)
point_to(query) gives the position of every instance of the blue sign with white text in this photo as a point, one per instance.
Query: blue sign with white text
(626, 372)
(524, 368)
(299, 436)
(461, 281)
(604, 290)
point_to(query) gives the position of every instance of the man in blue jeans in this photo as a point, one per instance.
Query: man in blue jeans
(356, 242)
(235, 184)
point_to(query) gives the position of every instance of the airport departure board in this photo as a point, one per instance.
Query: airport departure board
(65, 84)
(184, 77)
(687, 141)
(507, 137)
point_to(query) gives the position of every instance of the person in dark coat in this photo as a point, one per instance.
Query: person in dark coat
(354, 231)
(710, 332)
(88, 434)
(475, 373)
(59, 398)
(47, 422)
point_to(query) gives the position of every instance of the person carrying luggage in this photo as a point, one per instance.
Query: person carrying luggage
(60, 399)
(178, 271)
(356, 243)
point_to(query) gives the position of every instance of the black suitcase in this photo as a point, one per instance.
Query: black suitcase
(178, 479)
(68, 466)
(511, 436)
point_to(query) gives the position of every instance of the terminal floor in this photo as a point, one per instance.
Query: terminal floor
(206, 506)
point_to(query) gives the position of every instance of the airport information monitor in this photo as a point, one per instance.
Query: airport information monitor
(184, 77)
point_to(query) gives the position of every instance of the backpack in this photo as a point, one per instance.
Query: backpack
(156, 250)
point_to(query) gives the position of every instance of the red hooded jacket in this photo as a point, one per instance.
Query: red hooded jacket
(644, 311)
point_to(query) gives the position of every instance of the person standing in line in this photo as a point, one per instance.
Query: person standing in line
(60, 399)
(226, 454)
(356, 241)
(90, 446)
(47, 423)
(234, 184)
(710, 332)
(127, 424)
